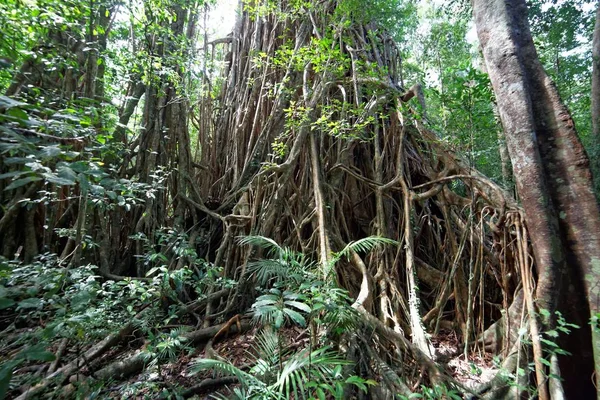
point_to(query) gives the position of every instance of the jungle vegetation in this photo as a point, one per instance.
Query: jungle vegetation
(386, 199)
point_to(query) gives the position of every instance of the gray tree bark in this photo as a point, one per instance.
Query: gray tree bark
(553, 178)
(596, 100)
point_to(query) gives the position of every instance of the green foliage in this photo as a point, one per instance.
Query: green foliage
(362, 245)
(550, 343)
(344, 120)
(436, 392)
(277, 307)
(74, 301)
(27, 26)
(295, 294)
(165, 347)
(297, 287)
(458, 93)
(70, 301)
(34, 352)
(304, 374)
(563, 37)
(77, 305)
(595, 322)
(285, 263)
(396, 16)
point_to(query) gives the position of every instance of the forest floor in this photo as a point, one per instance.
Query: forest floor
(477, 368)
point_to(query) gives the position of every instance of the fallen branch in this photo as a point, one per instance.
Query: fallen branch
(59, 353)
(208, 384)
(136, 362)
(94, 352)
(63, 373)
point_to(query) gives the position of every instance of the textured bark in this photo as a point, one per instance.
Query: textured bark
(163, 143)
(552, 175)
(596, 100)
(507, 178)
(134, 93)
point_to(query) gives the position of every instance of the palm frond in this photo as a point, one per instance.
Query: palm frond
(267, 345)
(364, 245)
(260, 241)
(304, 366)
(341, 319)
(265, 353)
(265, 270)
(246, 379)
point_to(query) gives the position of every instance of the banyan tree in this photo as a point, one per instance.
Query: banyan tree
(302, 136)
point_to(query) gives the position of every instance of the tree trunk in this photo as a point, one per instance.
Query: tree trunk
(553, 179)
(596, 101)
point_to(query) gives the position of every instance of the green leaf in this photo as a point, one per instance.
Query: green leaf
(364, 245)
(5, 376)
(18, 160)
(79, 166)
(7, 102)
(552, 333)
(278, 321)
(12, 174)
(6, 303)
(321, 394)
(22, 182)
(52, 178)
(545, 362)
(37, 353)
(358, 382)
(18, 114)
(264, 302)
(260, 241)
(295, 316)
(67, 173)
(50, 151)
(32, 302)
(152, 271)
(300, 306)
(548, 342)
(545, 313)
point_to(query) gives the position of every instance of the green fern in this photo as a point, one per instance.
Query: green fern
(322, 365)
(268, 270)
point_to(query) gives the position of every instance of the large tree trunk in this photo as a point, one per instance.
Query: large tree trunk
(554, 181)
(596, 100)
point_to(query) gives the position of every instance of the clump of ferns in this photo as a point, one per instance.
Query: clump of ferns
(303, 374)
(282, 265)
(164, 347)
(285, 264)
(294, 292)
(295, 283)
